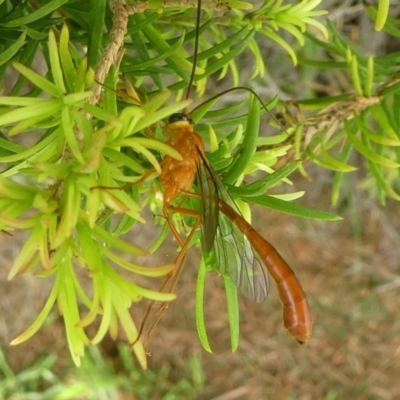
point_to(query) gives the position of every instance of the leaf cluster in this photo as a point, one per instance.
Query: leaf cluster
(61, 147)
(360, 124)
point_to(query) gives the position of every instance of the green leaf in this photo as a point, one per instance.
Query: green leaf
(42, 108)
(69, 213)
(377, 138)
(152, 144)
(224, 46)
(259, 187)
(7, 147)
(328, 162)
(233, 311)
(383, 10)
(41, 12)
(68, 307)
(138, 269)
(96, 30)
(200, 321)
(117, 243)
(38, 80)
(248, 146)
(10, 52)
(67, 124)
(160, 240)
(150, 18)
(33, 150)
(103, 293)
(39, 320)
(178, 63)
(338, 179)
(139, 148)
(226, 58)
(353, 63)
(160, 57)
(366, 152)
(27, 124)
(379, 114)
(161, 114)
(66, 59)
(382, 182)
(14, 190)
(294, 209)
(26, 58)
(23, 101)
(28, 256)
(128, 325)
(241, 5)
(74, 98)
(275, 37)
(55, 65)
(155, 102)
(90, 248)
(123, 159)
(133, 291)
(369, 80)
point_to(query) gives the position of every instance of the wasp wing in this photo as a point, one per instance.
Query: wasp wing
(209, 204)
(234, 255)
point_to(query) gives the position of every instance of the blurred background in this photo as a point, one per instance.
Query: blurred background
(349, 269)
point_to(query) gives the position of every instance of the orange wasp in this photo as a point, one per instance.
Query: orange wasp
(240, 252)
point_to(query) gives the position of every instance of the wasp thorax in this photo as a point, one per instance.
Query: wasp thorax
(179, 117)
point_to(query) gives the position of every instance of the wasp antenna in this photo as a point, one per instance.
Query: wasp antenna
(253, 92)
(196, 50)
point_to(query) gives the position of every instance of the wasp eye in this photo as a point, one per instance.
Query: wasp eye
(179, 117)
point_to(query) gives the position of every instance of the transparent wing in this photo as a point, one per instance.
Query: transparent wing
(234, 254)
(209, 205)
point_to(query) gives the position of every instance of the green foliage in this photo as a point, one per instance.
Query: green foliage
(30, 382)
(61, 147)
(98, 378)
(362, 122)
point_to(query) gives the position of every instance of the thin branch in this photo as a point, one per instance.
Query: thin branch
(110, 53)
(140, 6)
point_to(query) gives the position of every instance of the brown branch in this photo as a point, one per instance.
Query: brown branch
(140, 6)
(111, 52)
